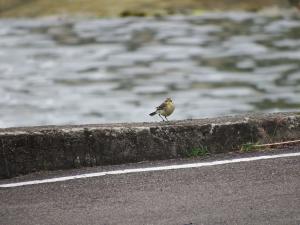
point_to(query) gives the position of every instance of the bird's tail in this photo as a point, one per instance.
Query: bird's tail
(152, 114)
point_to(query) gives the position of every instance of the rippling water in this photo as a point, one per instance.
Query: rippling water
(75, 71)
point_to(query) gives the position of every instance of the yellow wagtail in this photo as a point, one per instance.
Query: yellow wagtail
(165, 109)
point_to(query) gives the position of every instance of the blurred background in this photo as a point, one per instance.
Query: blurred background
(88, 61)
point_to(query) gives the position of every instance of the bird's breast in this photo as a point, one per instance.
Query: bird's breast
(168, 110)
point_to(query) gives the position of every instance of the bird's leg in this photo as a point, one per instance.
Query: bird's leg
(161, 117)
(166, 119)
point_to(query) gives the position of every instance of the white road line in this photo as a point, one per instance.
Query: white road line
(158, 168)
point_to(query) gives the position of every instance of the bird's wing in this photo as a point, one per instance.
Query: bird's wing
(162, 106)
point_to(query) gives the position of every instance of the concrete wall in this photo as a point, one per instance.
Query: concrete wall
(29, 149)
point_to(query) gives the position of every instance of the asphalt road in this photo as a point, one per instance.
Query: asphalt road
(256, 192)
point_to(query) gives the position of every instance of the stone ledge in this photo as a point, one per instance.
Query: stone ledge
(30, 149)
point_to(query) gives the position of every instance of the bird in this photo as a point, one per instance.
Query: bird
(295, 3)
(165, 109)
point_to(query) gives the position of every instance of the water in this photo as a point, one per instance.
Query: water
(71, 71)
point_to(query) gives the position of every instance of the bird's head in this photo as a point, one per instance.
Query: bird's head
(169, 100)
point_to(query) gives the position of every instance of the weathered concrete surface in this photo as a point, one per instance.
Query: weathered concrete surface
(28, 149)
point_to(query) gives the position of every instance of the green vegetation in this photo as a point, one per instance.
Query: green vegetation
(115, 8)
(197, 151)
(249, 147)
